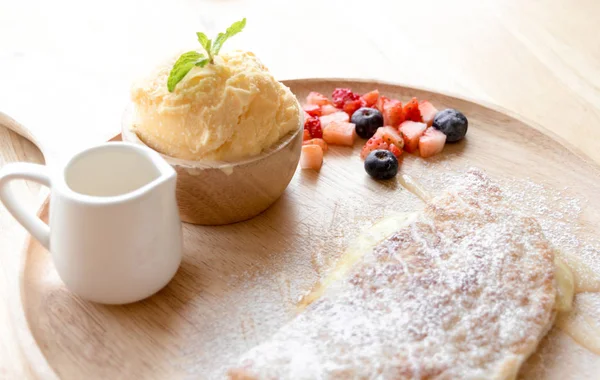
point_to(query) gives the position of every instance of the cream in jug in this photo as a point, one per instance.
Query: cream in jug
(114, 230)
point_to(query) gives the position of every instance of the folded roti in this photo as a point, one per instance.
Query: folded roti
(464, 289)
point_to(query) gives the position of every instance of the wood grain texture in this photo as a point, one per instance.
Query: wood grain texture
(238, 283)
(211, 195)
(532, 58)
(14, 148)
(66, 67)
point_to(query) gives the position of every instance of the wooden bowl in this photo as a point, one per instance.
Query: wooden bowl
(216, 193)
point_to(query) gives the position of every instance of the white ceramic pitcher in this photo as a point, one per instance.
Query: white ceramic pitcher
(114, 230)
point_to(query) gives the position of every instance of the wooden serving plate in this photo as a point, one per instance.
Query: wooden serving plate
(239, 283)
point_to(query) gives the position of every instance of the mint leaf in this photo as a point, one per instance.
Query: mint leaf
(188, 60)
(205, 42)
(183, 66)
(234, 29)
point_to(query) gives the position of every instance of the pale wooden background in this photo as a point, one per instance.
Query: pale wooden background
(68, 65)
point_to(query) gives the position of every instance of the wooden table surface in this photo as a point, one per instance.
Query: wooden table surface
(71, 63)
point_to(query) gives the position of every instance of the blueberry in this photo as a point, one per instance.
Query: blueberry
(381, 164)
(367, 120)
(452, 123)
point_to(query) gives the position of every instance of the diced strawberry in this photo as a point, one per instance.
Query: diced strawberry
(393, 113)
(318, 99)
(316, 132)
(336, 116)
(353, 105)
(428, 112)
(380, 102)
(371, 98)
(411, 111)
(313, 125)
(319, 142)
(312, 109)
(395, 150)
(391, 136)
(432, 142)
(306, 135)
(308, 120)
(341, 96)
(328, 109)
(411, 132)
(340, 133)
(372, 144)
(311, 157)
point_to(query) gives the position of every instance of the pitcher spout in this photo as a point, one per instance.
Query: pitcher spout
(115, 171)
(166, 175)
(166, 170)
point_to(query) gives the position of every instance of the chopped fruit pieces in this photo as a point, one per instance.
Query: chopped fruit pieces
(316, 132)
(306, 135)
(337, 116)
(380, 102)
(353, 105)
(428, 112)
(319, 142)
(371, 98)
(339, 133)
(317, 99)
(391, 136)
(328, 109)
(367, 120)
(412, 131)
(341, 96)
(452, 123)
(312, 109)
(395, 151)
(313, 125)
(386, 138)
(432, 142)
(374, 143)
(311, 157)
(391, 109)
(393, 113)
(411, 111)
(390, 127)
(381, 164)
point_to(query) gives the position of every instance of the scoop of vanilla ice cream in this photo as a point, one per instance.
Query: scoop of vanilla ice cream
(226, 111)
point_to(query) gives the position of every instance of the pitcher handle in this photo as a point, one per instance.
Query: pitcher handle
(33, 172)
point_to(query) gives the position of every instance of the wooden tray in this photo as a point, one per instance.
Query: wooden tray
(239, 283)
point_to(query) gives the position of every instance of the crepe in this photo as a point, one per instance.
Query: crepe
(464, 289)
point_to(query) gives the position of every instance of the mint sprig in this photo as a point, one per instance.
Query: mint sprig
(234, 29)
(204, 41)
(183, 66)
(188, 60)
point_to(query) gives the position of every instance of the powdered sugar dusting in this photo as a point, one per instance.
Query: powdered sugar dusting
(465, 290)
(559, 357)
(561, 212)
(567, 220)
(325, 232)
(264, 295)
